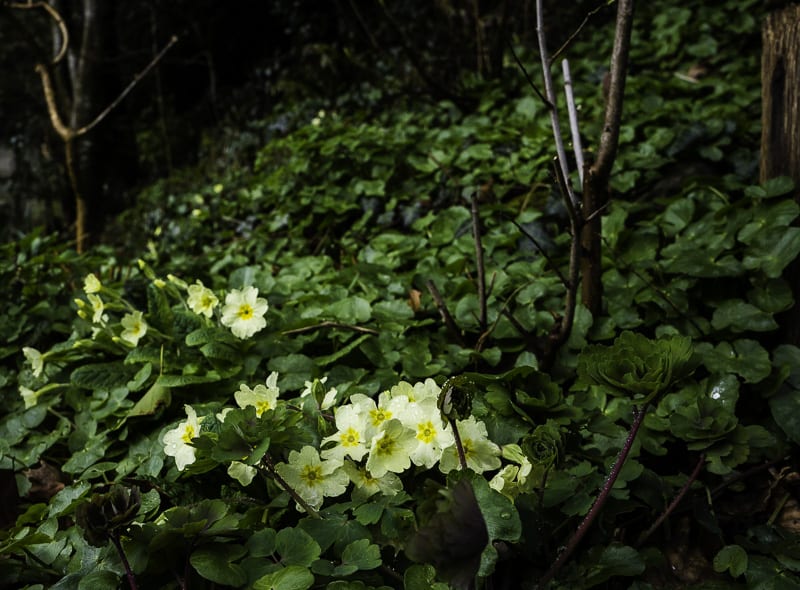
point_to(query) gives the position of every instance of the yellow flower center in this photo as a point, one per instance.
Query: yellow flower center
(350, 438)
(188, 434)
(312, 475)
(385, 446)
(426, 432)
(379, 416)
(245, 312)
(261, 407)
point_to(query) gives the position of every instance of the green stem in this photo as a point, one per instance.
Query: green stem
(128, 571)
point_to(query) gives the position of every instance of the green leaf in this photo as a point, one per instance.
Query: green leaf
(292, 577)
(785, 408)
(351, 310)
(99, 580)
(746, 358)
(731, 558)
(214, 562)
(362, 554)
(614, 560)
(111, 375)
(153, 400)
(421, 577)
(738, 316)
(297, 547)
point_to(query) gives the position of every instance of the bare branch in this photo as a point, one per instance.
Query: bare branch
(62, 26)
(609, 139)
(551, 99)
(577, 32)
(444, 312)
(476, 234)
(577, 147)
(531, 83)
(128, 88)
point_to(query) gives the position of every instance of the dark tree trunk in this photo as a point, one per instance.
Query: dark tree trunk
(780, 134)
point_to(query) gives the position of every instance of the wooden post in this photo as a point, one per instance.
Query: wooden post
(780, 129)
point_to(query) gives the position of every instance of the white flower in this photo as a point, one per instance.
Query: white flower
(35, 358)
(244, 311)
(350, 437)
(313, 478)
(419, 392)
(480, 452)
(29, 396)
(202, 300)
(262, 398)
(431, 434)
(391, 448)
(97, 309)
(242, 472)
(135, 327)
(91, 284)
(177, 441)
(375, 415)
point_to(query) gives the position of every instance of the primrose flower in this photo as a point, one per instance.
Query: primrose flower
(244, 311)
(313, 478)
(391, 448)
(365, 485)
(135, 327)
(375, 414)
(431, 434)
(419, 392)
(177, 442)
(35, 358)
(91, 284)
(29, 396)
(98, 317)
(263, 397)
(480, 452)
(202, 300)
(350, 435)
(242, 472)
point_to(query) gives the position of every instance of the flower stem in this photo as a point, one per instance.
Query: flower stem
(580, 532)
(128, 571)
(266, 461)
(462, 458)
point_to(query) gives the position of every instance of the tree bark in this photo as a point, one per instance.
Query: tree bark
(780, 129)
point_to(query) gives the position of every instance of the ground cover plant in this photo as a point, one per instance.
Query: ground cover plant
(330, 366)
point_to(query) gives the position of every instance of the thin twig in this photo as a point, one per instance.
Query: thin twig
(572, 110)
(331, 324)
(62, 26)
(577, 31)
(525, 73)
(128, 88)
(476, 233)
(638, 417)
(551, 99)
(541, 250)
(675, 501)
(444, 312)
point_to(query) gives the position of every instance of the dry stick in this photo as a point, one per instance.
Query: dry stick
(577, 31)
(675, 501)
(638, 417)
(551, 99)
(444, 312)
(476, 233)
(577, 147)
(331, 324)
